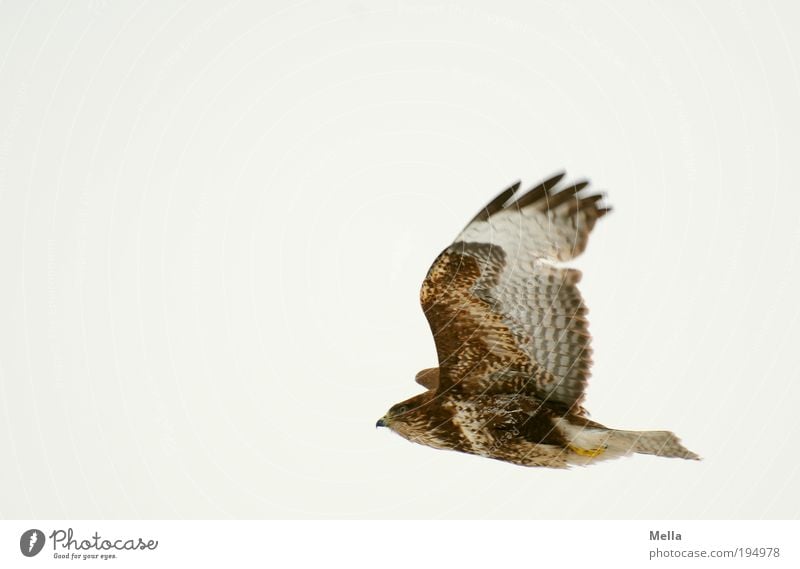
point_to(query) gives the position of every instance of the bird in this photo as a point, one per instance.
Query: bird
(512, 339)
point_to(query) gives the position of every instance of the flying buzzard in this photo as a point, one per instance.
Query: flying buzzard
(512, 341)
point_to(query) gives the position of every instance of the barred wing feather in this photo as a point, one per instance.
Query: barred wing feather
(506, 317)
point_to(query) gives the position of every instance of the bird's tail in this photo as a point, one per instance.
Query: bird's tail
(658, 443)
(590, 442)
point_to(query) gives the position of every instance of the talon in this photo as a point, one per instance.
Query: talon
(590, 452)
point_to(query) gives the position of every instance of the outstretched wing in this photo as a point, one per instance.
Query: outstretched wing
(505, 318)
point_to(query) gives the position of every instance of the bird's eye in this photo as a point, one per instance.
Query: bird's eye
(402, 409)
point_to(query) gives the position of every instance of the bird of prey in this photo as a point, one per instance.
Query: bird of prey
(511, 337)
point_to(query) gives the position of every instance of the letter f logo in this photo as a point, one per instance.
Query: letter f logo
(31, 542)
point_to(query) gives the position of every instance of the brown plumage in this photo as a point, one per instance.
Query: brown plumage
(512, 339)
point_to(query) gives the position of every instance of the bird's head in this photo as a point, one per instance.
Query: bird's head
(407, 416)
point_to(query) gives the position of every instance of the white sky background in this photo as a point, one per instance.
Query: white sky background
(214, 222)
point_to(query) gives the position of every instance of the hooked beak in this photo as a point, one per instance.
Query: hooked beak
(380, 423)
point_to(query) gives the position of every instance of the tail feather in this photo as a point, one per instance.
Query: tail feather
(658, 443)
(590, 442)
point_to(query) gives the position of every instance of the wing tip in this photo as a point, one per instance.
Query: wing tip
(547, 196)
(554, 200)
(497, 203)
(554, 180)
(538, 191)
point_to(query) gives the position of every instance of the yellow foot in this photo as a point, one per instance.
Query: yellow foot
(590, 452)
